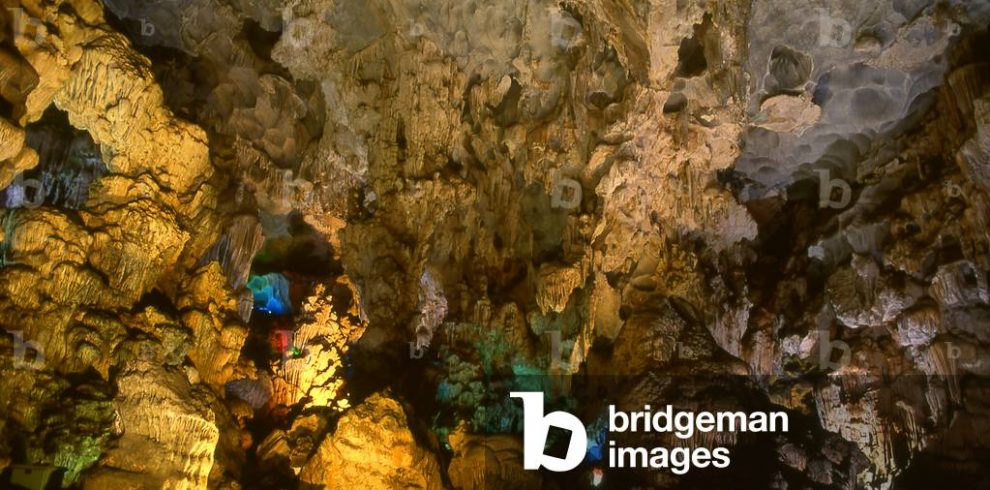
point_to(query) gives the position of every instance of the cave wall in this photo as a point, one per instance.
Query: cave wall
(238, 233)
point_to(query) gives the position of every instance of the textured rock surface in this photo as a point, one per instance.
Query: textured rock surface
(324, 338)
(168, 436)
(373, 448)
(488, 462)
(279, 243)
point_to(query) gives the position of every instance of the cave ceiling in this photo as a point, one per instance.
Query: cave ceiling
(266, 244)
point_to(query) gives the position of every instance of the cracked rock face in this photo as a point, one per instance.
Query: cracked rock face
(316, 243)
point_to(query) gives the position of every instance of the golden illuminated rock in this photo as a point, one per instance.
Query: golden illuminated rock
(373, 448)
(167, 434)
(324, 338)
(222, 222)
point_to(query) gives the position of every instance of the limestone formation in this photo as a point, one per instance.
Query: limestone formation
(373, 448)
(316, 243)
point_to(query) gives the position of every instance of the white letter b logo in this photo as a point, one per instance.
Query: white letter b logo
(535, 429)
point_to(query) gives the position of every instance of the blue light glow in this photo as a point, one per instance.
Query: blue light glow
(271, 294)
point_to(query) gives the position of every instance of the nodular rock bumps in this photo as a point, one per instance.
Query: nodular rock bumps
(259, 244)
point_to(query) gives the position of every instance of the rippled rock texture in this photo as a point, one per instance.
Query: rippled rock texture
(315, 243)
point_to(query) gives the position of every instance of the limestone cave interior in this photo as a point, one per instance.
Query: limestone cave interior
(316, 244)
